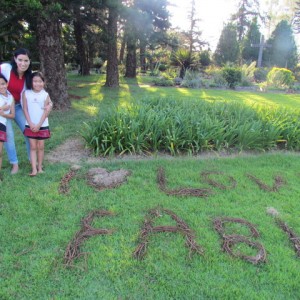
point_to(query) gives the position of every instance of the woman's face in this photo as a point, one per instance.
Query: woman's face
(23, 62)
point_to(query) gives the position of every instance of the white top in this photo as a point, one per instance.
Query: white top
(3, 101)
(35, 105)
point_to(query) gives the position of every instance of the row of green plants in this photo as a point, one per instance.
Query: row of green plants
(175, 126)
(230, 77)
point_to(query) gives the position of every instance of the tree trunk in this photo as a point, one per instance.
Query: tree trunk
(143, 57)
(122, 50)
(52, 60)
(81, 48)
(112, 71)
(131, 57)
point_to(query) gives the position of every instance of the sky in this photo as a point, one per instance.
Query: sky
(212, 14)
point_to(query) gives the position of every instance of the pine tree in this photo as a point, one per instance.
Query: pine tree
(228, 48)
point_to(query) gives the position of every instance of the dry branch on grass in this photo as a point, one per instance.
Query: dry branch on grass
(162, 183)
(230, 240)
(292, 236)
(278, 183)
(206, 177)
(73, 249)
(180, 227)
(64, 186)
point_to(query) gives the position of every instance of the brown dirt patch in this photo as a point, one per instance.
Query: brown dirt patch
(101, 179)
(72, 151)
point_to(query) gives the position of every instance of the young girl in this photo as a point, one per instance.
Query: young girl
(37, 126)
(7, 111)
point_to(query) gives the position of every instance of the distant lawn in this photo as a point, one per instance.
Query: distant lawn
(37, 222)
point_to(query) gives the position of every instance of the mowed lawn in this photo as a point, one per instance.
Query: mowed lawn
(38, 220)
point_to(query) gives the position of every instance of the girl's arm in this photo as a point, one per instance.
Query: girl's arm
(10, 108)
(26, 113)
(45, 113)
(5, 107)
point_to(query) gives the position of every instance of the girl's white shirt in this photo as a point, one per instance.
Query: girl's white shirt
(35, 105)
(3, 101)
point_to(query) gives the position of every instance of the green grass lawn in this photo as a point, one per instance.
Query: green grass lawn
(37, 222)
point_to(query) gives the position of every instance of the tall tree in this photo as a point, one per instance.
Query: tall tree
(228, 48)
(144, 19)
(247, 10)
(283, 52)
(112, 71)
(51, 52)
(81, 47)
(250, 41)
(279, 10)
(193, 35)
(44, 17)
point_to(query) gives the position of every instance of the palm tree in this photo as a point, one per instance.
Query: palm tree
(184, 60)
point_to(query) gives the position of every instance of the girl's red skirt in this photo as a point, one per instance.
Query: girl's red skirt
(42, 134)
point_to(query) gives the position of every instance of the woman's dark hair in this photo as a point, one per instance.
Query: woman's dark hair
(3, 77)
(27, 74)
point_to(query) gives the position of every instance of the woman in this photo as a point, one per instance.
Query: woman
(18, 75)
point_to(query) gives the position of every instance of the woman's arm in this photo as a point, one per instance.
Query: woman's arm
(45, 113)
(48, 107)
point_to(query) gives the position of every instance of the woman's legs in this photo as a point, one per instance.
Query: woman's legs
(21, 121)
(10, 146)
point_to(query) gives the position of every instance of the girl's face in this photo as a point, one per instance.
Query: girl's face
(22, 62)
(3, 86)
(37, 83)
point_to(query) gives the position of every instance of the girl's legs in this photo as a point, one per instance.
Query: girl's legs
(40, 155)
(33, 156)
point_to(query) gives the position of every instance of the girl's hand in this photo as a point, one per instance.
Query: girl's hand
(5, 107)
(32, 127)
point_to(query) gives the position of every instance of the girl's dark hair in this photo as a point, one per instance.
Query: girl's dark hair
(27, 74)
(2, 76)
(37, 74)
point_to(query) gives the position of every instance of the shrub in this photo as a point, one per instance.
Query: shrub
(163, 80)
(281, 78)
(260, 74)
(248, 74)
(297, 72)
(192, 79)
(232, 75)
(190, 127)
(162, 67)
(216, 77)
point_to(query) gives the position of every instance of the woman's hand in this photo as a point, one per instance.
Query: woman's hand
(48, 107)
